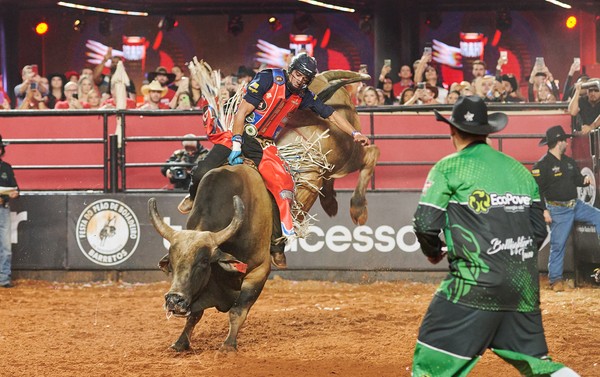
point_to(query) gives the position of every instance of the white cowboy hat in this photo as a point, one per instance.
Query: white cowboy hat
(154, 86)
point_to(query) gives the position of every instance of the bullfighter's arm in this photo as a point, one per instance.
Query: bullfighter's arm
(345, 126)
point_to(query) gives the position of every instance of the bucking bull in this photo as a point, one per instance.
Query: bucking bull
(222, 259)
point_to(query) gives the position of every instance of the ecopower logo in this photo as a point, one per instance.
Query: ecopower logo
(108, 232)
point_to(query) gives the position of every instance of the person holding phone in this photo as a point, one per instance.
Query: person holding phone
(569, 89)
(541, 75)
(385, 83)
(29, 75)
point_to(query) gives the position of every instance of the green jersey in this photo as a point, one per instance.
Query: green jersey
(488, 206)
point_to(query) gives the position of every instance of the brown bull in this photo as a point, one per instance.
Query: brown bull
(346, 155)
(222, 258)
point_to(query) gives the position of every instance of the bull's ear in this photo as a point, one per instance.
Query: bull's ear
(228, 262)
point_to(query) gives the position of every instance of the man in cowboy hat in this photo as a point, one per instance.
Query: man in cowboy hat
(153, 92)
(165, 79)
(488, 207)
(9, 190)
(558, 177)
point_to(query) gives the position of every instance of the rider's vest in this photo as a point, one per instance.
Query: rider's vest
(271, 114)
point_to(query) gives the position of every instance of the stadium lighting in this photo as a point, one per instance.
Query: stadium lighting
(102, 10)
(326, 5)
(559, 3)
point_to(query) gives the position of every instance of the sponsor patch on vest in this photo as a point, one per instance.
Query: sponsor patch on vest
(278, 78)
(262, 105)
(108, 232)
(480, 201)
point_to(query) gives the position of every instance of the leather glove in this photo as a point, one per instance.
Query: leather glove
(236, 151)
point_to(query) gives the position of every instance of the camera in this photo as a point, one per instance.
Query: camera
(178, 173)
(591, 84)
(421, 85)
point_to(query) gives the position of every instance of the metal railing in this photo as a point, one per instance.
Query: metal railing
(115, 150)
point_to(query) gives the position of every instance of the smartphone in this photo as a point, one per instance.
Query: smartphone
(387, 62)
(75, 95)
(427, 50)
(33, 86)
(421, 85)
(539, 62)
(577, 61)
(34, 69)
(504, 56)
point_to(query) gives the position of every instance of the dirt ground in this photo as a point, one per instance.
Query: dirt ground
(306, 328)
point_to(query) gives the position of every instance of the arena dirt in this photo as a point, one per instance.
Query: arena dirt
(295, 329)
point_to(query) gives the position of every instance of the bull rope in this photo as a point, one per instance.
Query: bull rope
(306, 161)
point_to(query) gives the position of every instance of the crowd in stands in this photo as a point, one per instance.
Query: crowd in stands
(416, 84)
(421, 84)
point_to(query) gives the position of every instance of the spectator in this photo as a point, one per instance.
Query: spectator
(568, 90)
(488, 88)
(84, 85)
(429, 74)
(31, 80)
(192, 152)
(452, 97)
(57, 89)
(558, 177)
(490, 297)
(544, 94)
(370, 97)
(34, 100)
(424, 96)
(72, 76)
(153, 93)
(479, 69)
(464, 88)
(511, 89)
(386, 84)
(381, 96)
(165, 79)
(541, 75)
(104, 82)
(87, 71)
(10, 191)
(586, 107)
(71, 102)
(405, 74)
(178, 72)
(406, 95)
(93, 99)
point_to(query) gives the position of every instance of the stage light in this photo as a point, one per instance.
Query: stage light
(41, 28)
(235, 25)
(78, 25)
(274, 23)
(433, 20)
(167, 23)
(571, 22)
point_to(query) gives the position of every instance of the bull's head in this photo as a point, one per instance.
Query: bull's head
(191, 255)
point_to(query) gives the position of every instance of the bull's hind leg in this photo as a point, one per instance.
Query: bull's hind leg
(239, 311)
(358, 202)
(183, 343)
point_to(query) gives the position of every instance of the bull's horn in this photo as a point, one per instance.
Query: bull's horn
(338, 79)
(234, 225)
(161, 227)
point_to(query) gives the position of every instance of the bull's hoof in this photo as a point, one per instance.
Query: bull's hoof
(180, 346)
(278, 260)
(359, 211)
(227, 348)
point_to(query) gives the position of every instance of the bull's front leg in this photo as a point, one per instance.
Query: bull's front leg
(358, 202)
(183, 343)
(239, 311)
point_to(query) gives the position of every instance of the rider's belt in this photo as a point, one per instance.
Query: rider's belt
(569, 204)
